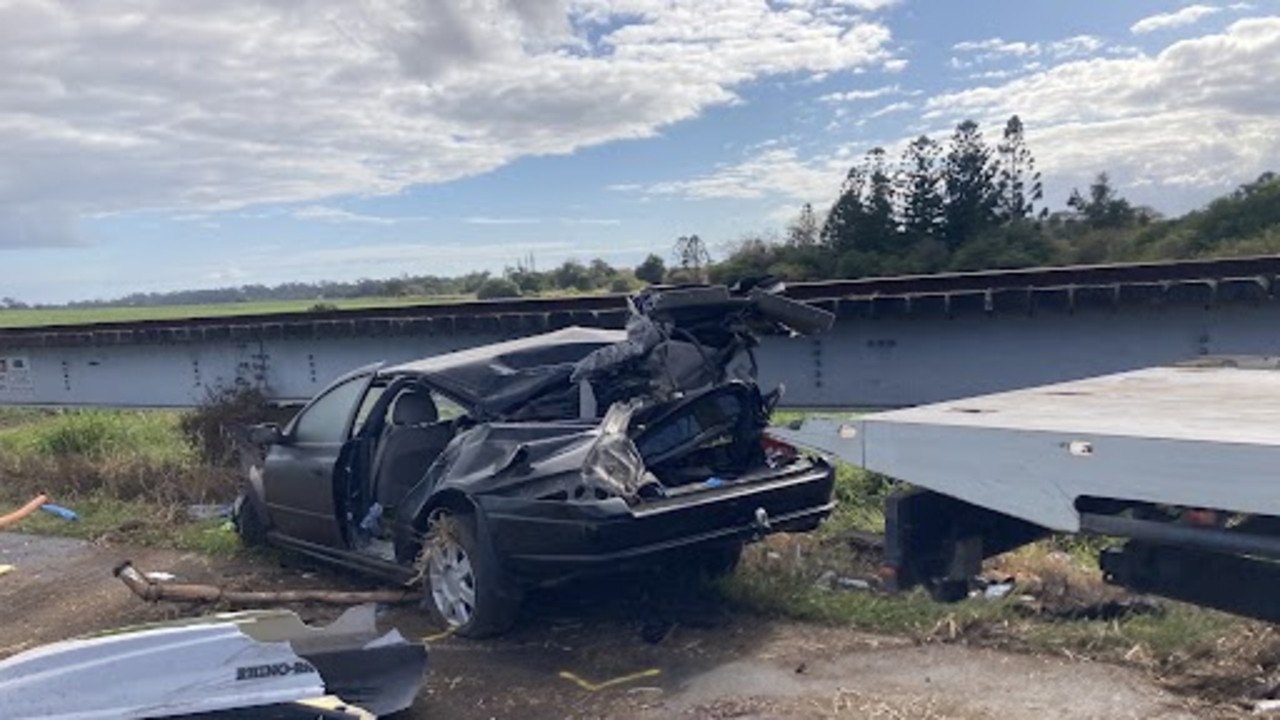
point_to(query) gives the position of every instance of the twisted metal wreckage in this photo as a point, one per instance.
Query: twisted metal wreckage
(270, 664)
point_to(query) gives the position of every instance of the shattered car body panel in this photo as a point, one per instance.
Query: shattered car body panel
(253, 664)
(567, 452)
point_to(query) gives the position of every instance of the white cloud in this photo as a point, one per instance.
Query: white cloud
(324, 213)
(860, 5)
(891, 108)
(1006, 73)
(590, 221)
(857, 95)
(1078, 46)
(997, 46)
(997, 49)
(485, 220)
(1201, 116)
(134, 105)
(1189, 15)
(775, 172)
(1179, 127)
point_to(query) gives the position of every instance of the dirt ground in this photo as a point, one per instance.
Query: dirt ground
(608, 651)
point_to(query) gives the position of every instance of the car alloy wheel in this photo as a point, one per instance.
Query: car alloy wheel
(450, 575)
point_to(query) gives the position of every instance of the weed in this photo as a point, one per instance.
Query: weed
(126, 455)
(208, 428)
(108, 519)
(1194, 650)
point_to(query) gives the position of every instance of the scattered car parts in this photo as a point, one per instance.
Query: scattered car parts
(33, 505)
(244, 665)
(147, 587)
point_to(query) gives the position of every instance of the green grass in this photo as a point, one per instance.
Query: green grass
(130, 474)
(11, 417)
(779, 581)
(77, 316)
(1182, 632)
(96, 434)
(127, 455)
(127, 474)
(137, 523)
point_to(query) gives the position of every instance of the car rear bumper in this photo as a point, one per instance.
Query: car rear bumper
(539, 540)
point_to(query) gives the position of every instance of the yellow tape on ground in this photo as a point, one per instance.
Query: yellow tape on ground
(440, 635)
(337, 704)
(593, 687)
(6, 569)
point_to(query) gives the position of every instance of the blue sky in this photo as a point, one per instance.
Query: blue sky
(149, 146)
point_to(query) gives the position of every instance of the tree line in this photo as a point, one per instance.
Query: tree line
(971, 204)
(521, 279)
(965, 203)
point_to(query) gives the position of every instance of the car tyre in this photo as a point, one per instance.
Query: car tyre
(714, 561)
(462, 582)
(248, 522)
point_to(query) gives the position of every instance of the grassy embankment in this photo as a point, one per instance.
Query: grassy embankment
(131, 475)
(76, 316)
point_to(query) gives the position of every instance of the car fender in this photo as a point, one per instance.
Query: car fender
(253, 493)
(419, 502)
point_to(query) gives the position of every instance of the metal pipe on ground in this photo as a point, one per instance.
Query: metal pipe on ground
(1164, 533)
(154, 592)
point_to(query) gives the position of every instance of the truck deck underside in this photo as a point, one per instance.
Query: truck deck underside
(1198, 435)
(1181, 461)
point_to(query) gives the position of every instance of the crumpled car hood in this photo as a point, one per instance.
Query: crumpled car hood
(493, 379)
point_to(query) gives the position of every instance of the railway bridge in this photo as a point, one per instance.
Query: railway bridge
(896, 342)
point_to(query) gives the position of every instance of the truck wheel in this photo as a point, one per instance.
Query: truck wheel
(249, 525)
(463, 583)
(948, 591)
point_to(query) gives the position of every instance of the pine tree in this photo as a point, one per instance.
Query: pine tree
(922, 203)
(969, 178)
(803, 232)
(1103, 208)
(840, 230)
(880, 234)
(1019, 186)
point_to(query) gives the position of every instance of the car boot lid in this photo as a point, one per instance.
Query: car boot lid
(221, 664)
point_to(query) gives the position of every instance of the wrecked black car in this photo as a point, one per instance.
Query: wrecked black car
(482, 472)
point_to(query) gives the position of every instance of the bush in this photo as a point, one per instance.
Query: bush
(495, 288)
(127, 455)
(207, 427)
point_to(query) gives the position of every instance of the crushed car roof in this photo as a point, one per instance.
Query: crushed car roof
(495, 375)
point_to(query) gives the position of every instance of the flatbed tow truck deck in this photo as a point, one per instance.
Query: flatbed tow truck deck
(1181, 461)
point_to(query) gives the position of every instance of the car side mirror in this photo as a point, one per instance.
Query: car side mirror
(266, 434)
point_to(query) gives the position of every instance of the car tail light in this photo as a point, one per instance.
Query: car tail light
(776, 450)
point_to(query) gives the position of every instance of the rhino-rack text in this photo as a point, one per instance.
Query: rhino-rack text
(258, 672)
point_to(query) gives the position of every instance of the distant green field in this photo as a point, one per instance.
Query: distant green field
(77, 316)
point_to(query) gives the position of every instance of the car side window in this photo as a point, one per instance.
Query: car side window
(448, 409)
(366, 407)
(326, 420)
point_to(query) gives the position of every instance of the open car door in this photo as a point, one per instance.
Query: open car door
(298, 475)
